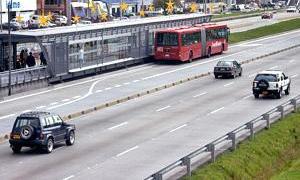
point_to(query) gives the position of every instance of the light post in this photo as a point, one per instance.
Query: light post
(1, 16)
(9, 7)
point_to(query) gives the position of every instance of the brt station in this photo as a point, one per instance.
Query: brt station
(73, 51)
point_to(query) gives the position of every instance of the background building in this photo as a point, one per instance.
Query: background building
(23, 8)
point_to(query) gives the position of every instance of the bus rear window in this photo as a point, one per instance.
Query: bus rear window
(167, 39)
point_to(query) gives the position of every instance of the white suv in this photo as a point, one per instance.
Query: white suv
(271, 82)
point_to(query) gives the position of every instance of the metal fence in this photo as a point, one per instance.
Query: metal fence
(23, 76)
(229, 140)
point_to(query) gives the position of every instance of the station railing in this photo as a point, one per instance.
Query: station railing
(229, 140)
(23, 76)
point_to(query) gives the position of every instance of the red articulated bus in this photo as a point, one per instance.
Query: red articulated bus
(188, 43)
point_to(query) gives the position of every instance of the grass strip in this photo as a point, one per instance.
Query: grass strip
(234, 14)
(270, 152)
(265, 31)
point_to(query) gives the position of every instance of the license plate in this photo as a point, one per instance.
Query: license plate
(265, 92)
(167, 55)
(222, 69)
(16, 136)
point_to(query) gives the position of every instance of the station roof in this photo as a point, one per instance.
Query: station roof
(103, 25)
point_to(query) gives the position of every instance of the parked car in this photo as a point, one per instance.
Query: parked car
(292, 9)
(42, 130)
(23, 24)
(60, 20)
(228, 68)
(267, 15)
(271, 83)
(14, 26)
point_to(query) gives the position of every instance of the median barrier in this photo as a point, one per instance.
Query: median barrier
(251, 128)
(121, 100)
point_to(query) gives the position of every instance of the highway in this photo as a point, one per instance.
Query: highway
(81, 94)
(135, 139)
(239, 25)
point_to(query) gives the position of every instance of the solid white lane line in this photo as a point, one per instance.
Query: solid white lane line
(7, 116)
(198, 95)
(76, 97)
(127, 151)
(119, 125)
(187, 67)
(164, 108)
(274, 67)
(229, 84)
(127, 83)
(40, 107)
(246, 97)
(293, 76)
(76, 84)
(217, 110)
(116, 86)
(135, 80)
(65, 100)
(99, 91)
(69, 177)
(26, 111)
(54, 103)
(178, 128)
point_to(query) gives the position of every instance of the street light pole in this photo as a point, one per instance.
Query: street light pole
(9, 48)
(1, 16)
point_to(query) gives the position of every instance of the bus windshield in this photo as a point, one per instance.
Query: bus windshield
(167, 39)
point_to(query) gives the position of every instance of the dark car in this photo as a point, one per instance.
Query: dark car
(42, 130)
(267, 15)
(228, 68)
(14, 26)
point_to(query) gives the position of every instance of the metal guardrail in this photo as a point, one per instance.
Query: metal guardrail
(23, 75)
(186, 161)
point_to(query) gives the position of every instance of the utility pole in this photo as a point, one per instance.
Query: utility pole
(68, 11)
(1, 16)
(9, 7)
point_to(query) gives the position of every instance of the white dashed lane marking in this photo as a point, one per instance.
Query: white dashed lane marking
(76, 97)
(40, 107)
(109, 88)
(69, 177)
(127, 151)
(198, 95)
(182, 126)
(217, 110)
(26, 111)
(127, 83)
(65, 100)
(246, 97)
(293, 76)
(164, 108)
(136, 81)
(229, 84)
(119, 125)
(54, 103)
(116, 86)
(274, 67)
(99, 91)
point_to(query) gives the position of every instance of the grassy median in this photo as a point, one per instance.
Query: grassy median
(265, 31)
(235, 14)
(274, 153)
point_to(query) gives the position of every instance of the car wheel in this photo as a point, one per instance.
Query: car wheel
(16, 149)
(256, 95)
(287, 91)
(49, 145)
(71, 138)
(240, 74)
(216, 76)
(279, 93)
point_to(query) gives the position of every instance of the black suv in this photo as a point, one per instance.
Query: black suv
(42, 130)
(228, 68)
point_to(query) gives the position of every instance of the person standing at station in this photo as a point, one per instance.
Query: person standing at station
(43, 59)
(25, 56)
(81, 57)
(30, 60)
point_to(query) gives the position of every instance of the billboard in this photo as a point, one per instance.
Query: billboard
(19, 5)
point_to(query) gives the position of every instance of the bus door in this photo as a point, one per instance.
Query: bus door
(203, 42)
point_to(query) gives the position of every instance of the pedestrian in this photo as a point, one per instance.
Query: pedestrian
(25, 56)
(30, 60)
(43, 59)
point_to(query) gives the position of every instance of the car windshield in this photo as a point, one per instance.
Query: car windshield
(225, 63)
(268, 77)
(167, 39)
(34, 122)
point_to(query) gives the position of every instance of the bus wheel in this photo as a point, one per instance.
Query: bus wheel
(190, 57)
(209, 52)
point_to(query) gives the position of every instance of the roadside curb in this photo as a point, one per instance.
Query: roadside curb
(69, 117)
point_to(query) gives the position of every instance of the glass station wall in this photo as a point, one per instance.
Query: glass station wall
(108, 49)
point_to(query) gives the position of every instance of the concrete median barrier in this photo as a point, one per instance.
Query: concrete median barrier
(151, 91)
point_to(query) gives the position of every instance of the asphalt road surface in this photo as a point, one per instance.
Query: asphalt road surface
(132, 140)
(85, 93)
